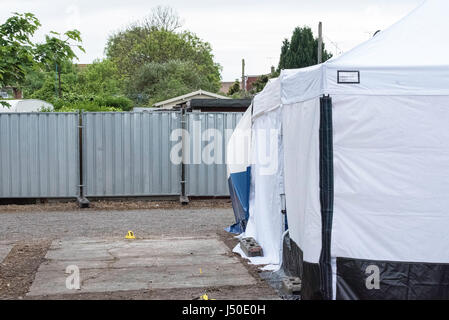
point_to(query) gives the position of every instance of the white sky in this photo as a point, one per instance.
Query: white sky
(236, 29)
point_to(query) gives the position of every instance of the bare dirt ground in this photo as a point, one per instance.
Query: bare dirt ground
(18, 269)
(248, 292)
(32, 228)
(115, 205)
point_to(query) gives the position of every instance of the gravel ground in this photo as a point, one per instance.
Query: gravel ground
(109, 205)
(19, 226)
(32, 227)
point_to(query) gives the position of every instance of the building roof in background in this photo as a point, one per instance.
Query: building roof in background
(229, 103)
(186, 97)
(82, 66)
(218, 105)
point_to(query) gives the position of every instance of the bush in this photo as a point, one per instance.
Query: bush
(118, 102)
(75, 102)
(88, 106)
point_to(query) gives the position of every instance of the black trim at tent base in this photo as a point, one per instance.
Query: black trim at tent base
(389, 280)
(291, 258)
(293, 265)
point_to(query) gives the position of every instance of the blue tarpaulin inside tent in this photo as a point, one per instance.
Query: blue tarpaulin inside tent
(239, 171)
(239, 184)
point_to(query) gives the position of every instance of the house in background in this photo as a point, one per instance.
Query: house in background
(11, 92)
(200, 94)
(225, 85)
(250, 80)
(200, 101)
(81, 66)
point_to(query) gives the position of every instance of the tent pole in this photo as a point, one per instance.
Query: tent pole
(326, 195)
(320, 42)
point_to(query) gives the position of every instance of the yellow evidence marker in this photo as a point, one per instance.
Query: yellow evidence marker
(206, 297)
(130, 235)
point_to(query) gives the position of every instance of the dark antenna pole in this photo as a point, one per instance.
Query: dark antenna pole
(320, 42)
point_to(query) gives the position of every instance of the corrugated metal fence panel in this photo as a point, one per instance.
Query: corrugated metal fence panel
(128, 154)
(203, 178)
(39, 155)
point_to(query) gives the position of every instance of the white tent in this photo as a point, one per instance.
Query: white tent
(26, 105)
(365, 141)
(265, 222)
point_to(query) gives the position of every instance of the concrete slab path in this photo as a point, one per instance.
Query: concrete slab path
(122, 265)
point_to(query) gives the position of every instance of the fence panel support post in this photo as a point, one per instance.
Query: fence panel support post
(184, 199)
(82, 200)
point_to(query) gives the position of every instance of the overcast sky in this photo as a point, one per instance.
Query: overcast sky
(236, 29)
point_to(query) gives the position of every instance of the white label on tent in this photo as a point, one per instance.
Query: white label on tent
(348, 77)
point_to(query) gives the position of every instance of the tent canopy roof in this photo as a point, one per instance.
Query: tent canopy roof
(418, 39)
(409, 58)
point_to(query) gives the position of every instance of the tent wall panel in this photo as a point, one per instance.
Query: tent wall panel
(301, 123)
(391, 158)
(265, 223)
(391, 186)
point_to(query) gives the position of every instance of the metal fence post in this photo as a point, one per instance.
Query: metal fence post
(82, 200)
(184, 199)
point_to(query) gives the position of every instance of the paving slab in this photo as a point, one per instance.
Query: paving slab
(120, 265)
(5, 248)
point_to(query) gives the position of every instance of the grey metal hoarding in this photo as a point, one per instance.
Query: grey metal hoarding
(39, 155)
(206, 173)
(123, 154)
(128, 154)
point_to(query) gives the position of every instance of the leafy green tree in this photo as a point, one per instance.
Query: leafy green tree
(301, 51)
(153, 44)
(40, 82)
(55, 51)
(101, 77)
(131, 49)
(155, 82)
(16, 48)
(260, 83)
(235, 88)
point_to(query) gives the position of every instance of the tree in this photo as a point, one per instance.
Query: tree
(55, 51)
(235, 88)
(163, 18)
(16, 48)
(132, 48)
(100, 77)
(260, 83)
(154, 44)
(301, 51)
(155, 82)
